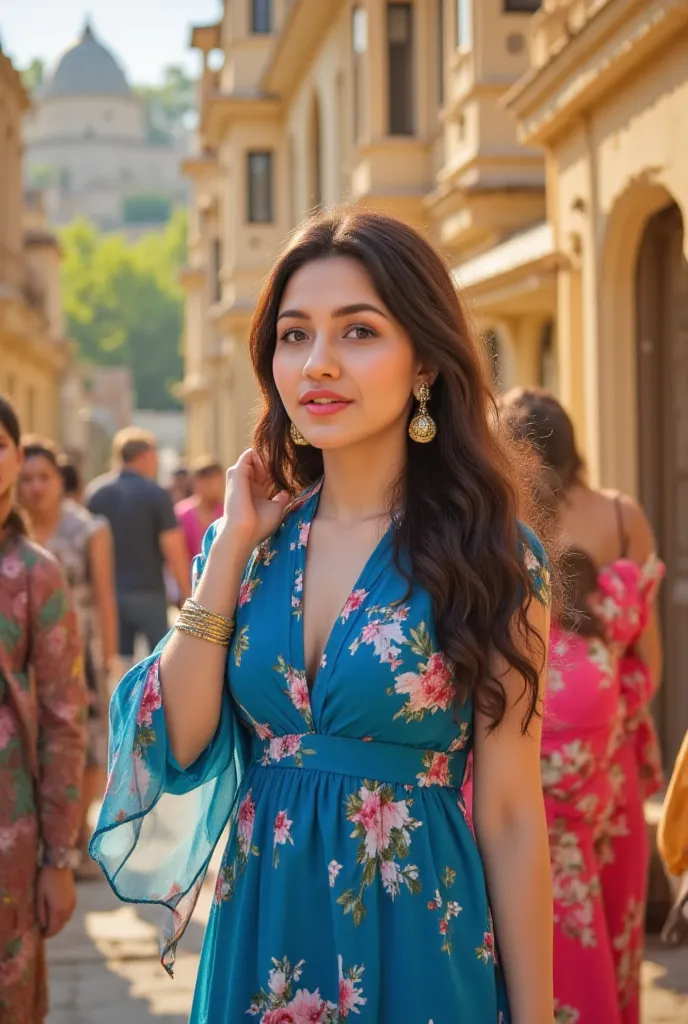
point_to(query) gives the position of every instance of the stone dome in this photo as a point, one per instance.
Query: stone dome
(87, 69)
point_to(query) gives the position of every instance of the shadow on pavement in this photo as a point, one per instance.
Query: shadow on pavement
(105, 965)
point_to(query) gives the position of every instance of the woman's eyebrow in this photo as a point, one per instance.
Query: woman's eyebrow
(337, 314)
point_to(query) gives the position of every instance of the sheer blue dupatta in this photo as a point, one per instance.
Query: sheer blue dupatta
(159, 823)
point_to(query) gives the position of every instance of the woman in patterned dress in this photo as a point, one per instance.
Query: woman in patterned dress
(42, 743)
(391, 615)
(82, 544)
(599, 743)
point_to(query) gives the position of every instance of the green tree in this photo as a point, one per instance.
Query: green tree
(123, 304)
(32, 77)
(167, 106)
(147, 208)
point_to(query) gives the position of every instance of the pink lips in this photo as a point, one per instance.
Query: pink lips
(335, 402)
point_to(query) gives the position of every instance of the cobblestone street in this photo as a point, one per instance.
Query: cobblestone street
(104, 968)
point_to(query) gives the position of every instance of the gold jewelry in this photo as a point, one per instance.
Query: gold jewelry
(204, 624)
(422, 427)
(296, 435)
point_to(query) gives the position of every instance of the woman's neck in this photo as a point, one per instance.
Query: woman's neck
(358, 479)
(44, 524)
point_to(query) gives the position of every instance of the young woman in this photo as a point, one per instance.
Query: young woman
(82, 544)
(42, 741)
(391, 618)
(597, 738)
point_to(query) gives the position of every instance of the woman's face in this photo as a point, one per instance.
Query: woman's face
(40, 485)
(10, 462)
(344, 368)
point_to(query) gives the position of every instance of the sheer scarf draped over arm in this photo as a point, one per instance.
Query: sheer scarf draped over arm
(159, 823)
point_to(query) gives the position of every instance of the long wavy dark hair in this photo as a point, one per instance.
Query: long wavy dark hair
(15, 524)
(535, 417)
(458, 536)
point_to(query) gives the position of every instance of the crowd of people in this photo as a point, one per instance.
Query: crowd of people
(84, 572)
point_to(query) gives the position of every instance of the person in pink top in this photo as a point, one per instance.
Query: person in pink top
(195, 514)
(599, 750)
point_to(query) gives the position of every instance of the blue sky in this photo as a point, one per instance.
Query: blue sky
(145, 35)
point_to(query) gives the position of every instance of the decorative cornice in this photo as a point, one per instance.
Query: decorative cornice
(608, 46)
(302, 33)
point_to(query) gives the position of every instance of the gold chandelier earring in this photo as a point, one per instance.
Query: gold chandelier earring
(296, 435)
(422, 427)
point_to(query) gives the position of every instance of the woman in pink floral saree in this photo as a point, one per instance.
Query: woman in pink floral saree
(599, 749)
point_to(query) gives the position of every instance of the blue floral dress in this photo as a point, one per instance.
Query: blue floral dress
(351, 885)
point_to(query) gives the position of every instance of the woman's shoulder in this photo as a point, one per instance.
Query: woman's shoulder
(25, 556)
(535, 560)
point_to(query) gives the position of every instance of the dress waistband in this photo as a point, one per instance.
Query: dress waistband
(366, 759)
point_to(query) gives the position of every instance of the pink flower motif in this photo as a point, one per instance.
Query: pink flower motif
(12, 567)
(438, 773)
(280, 1016)
(245, 592)
(354, 602)
(245, 821)
(333, 869)
(378, 818)
(350, 997)
(140, 777)
(277, 982)
(298, 690)
(431, 689)
(292, 744)
(150, 698)
(303, 535)
(308, 1007)
(282, 829)
(276, 750)
(55, 641)
(263, 732)
(444, 925)
(8, 728)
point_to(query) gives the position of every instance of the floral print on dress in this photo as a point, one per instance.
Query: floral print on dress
(384, 632)
(449, 908)
(575, 887)
(240, 645)
(437, 769)
(229, 874)
(297, 595)
(565, 1014)
(297, 689)
(353, 603)
(333, 869)
(281, 832)
(302, 539)
(383, 825)
(247, 590)
(487, 952)
(431, 688)
(280, 1004)
(281, 747)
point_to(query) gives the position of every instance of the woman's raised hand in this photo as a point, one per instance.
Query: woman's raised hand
(251, 512)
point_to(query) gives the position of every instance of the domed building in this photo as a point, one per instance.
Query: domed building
(87, 141)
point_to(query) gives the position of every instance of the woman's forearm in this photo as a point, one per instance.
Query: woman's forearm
(192, 670)
(517, 867)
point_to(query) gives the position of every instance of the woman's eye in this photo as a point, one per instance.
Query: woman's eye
(360, 332)
(294, 334)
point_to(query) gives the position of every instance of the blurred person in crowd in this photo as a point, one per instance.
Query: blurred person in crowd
(146, 535)
(181, 486)
(42, 747)
(82, 544)
(599, 745)
(72, 484)
(195, 514)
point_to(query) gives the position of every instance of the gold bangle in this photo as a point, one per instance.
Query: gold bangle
(204, 624)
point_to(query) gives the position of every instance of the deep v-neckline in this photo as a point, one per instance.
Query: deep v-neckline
(372, 560)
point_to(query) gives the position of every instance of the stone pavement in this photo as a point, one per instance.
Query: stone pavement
(104, 968)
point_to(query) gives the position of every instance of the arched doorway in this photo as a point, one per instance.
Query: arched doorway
(662, 365)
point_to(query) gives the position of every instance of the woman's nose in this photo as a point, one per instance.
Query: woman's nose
(322, 360)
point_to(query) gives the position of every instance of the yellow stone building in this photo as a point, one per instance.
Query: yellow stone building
(542, 149)
(34, 357)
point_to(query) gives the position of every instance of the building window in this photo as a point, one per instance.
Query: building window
(464, 24)
(261, 20)
(400, 61)
(217, 270)
(260, 201)
(522, 6)
(359, 31)
(440, 52)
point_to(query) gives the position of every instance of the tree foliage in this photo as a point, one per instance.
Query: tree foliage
(33, 75)
(123, 304)
(168, 106)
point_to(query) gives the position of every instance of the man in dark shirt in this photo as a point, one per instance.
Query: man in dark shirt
(145, 533)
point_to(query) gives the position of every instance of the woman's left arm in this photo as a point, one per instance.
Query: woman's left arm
(103, 580)
(511, 828)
